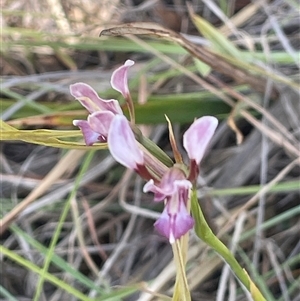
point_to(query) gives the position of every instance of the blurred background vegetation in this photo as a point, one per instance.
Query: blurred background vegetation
(86, 232)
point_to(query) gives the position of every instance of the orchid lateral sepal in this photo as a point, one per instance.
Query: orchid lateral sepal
(195, 141)
(197, 137)
(129, 152)
(122, 144)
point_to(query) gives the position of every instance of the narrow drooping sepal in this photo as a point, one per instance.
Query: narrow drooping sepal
(89, 98)
(90, 136)
(176, 153)
(198, 136)
(122, 144)
(119, 78)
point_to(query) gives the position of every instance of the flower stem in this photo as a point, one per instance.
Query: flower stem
(204, 232)
(181, 289)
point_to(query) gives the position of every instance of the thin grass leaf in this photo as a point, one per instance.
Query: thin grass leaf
(6, 294)
(120, 293)
(287, 215)
(293, 288)
(25, 101)
(190, 106)
(288, 186)
(45, 137)
(203, 68)
(262, 285)
(114, 44)
(241, 72)
(56, 235)
(49, 277)
(57, 260)
(219, 42)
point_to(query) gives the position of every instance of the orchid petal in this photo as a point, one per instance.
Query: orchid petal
(197, 137)
(89, 98)
(166, 187)
(122, 143)
(167, 182)
(175, 220)
(174, 226)
(90, 136)
(159, 194)
(119, 78)
(100, 122)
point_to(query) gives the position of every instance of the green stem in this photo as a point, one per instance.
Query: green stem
(204, 232)
(181, 289)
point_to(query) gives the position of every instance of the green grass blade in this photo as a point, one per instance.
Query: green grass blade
(47, 276)
(277, 188)
(57, 260)
(6, 294)
(273, 221)
(57, 232)
(220, 43)
(258, 278)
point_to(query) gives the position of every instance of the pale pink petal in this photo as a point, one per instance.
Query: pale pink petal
(90, 137)
(167, 186)
(197, 137)
(89, 98)
(119, 78)
(183, 188)
(122, 144)
(167, 181)
(100, 122)
(159, 194)
(174, 223)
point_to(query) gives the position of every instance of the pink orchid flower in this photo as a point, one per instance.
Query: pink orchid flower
(102, 111)
(106, 122)
(175, 220)
(174, 187)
